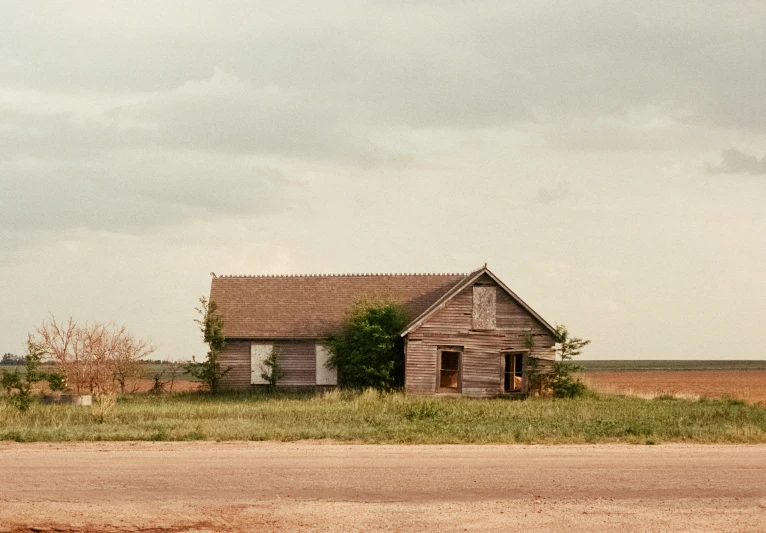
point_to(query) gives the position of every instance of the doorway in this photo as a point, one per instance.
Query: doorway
(450, 365)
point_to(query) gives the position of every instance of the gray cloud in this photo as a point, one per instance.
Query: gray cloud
(425, 64)
(131, 191)
(221, 113)
(124, 119)
(734, 161)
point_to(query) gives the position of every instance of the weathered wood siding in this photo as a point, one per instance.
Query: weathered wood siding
(236, 354)
(482, 372)
(297, 358)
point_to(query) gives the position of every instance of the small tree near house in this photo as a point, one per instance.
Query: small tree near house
(271, 370)
(557, 377)
(210, 323)
(564, 384)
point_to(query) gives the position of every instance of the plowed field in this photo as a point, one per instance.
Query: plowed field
(747, 385)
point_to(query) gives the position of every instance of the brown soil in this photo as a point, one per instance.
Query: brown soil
(204, 486)
(747, 385)
(133, 386)
(143, 385)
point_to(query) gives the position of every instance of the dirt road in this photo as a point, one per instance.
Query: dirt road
(336, 487)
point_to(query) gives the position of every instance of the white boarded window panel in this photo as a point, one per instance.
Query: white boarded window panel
(259, 352)
(325, 376)
(484, 307)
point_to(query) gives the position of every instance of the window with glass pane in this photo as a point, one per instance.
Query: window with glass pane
(514, 372)
(449, 372)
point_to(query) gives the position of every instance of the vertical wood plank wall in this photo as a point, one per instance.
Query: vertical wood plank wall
(482, 350)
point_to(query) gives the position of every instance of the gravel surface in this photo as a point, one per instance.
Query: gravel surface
(305, 486)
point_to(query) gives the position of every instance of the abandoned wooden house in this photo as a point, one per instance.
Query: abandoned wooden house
(469, 334)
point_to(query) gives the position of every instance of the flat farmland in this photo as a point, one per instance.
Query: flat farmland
(636, 365)
(749, 385)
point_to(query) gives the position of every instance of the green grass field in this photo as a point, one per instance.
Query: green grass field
(391, 418)
(622, 365)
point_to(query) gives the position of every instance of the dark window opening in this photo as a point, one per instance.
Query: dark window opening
(514, 372)
(449, 371)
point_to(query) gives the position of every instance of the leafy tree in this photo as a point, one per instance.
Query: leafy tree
(11, 359)
(210, 323)
(563, 383)
(273, 371)
(369, 351)
(56, 381)
(20, 387)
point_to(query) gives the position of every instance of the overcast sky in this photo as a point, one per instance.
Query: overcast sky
(608, 160)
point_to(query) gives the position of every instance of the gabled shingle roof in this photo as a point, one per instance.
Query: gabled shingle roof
(273, 307)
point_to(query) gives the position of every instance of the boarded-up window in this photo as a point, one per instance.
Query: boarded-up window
(325, 376)
(259, 352)
(484, 307)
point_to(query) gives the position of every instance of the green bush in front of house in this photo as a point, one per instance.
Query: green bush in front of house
(369, 353)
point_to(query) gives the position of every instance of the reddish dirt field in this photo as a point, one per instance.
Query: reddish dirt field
(233, 487)
(136, 385)
(747, 385)
(143, 385)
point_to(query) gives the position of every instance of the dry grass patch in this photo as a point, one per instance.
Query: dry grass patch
(373, 417)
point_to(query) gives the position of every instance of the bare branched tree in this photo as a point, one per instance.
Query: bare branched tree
(96, 357)
(128, 354)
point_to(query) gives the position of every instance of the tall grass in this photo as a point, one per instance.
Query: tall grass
(372, 417)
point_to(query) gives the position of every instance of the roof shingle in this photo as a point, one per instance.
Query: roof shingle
(274, 307)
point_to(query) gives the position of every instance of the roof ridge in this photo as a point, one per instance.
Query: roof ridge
(348, 275)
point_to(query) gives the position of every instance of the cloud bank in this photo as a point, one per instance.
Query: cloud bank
(735, 161)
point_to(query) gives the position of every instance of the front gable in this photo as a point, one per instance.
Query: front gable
(481, 303)
(477, 340)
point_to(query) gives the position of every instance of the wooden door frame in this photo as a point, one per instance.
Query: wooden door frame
(439, 350)
(524, 366)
